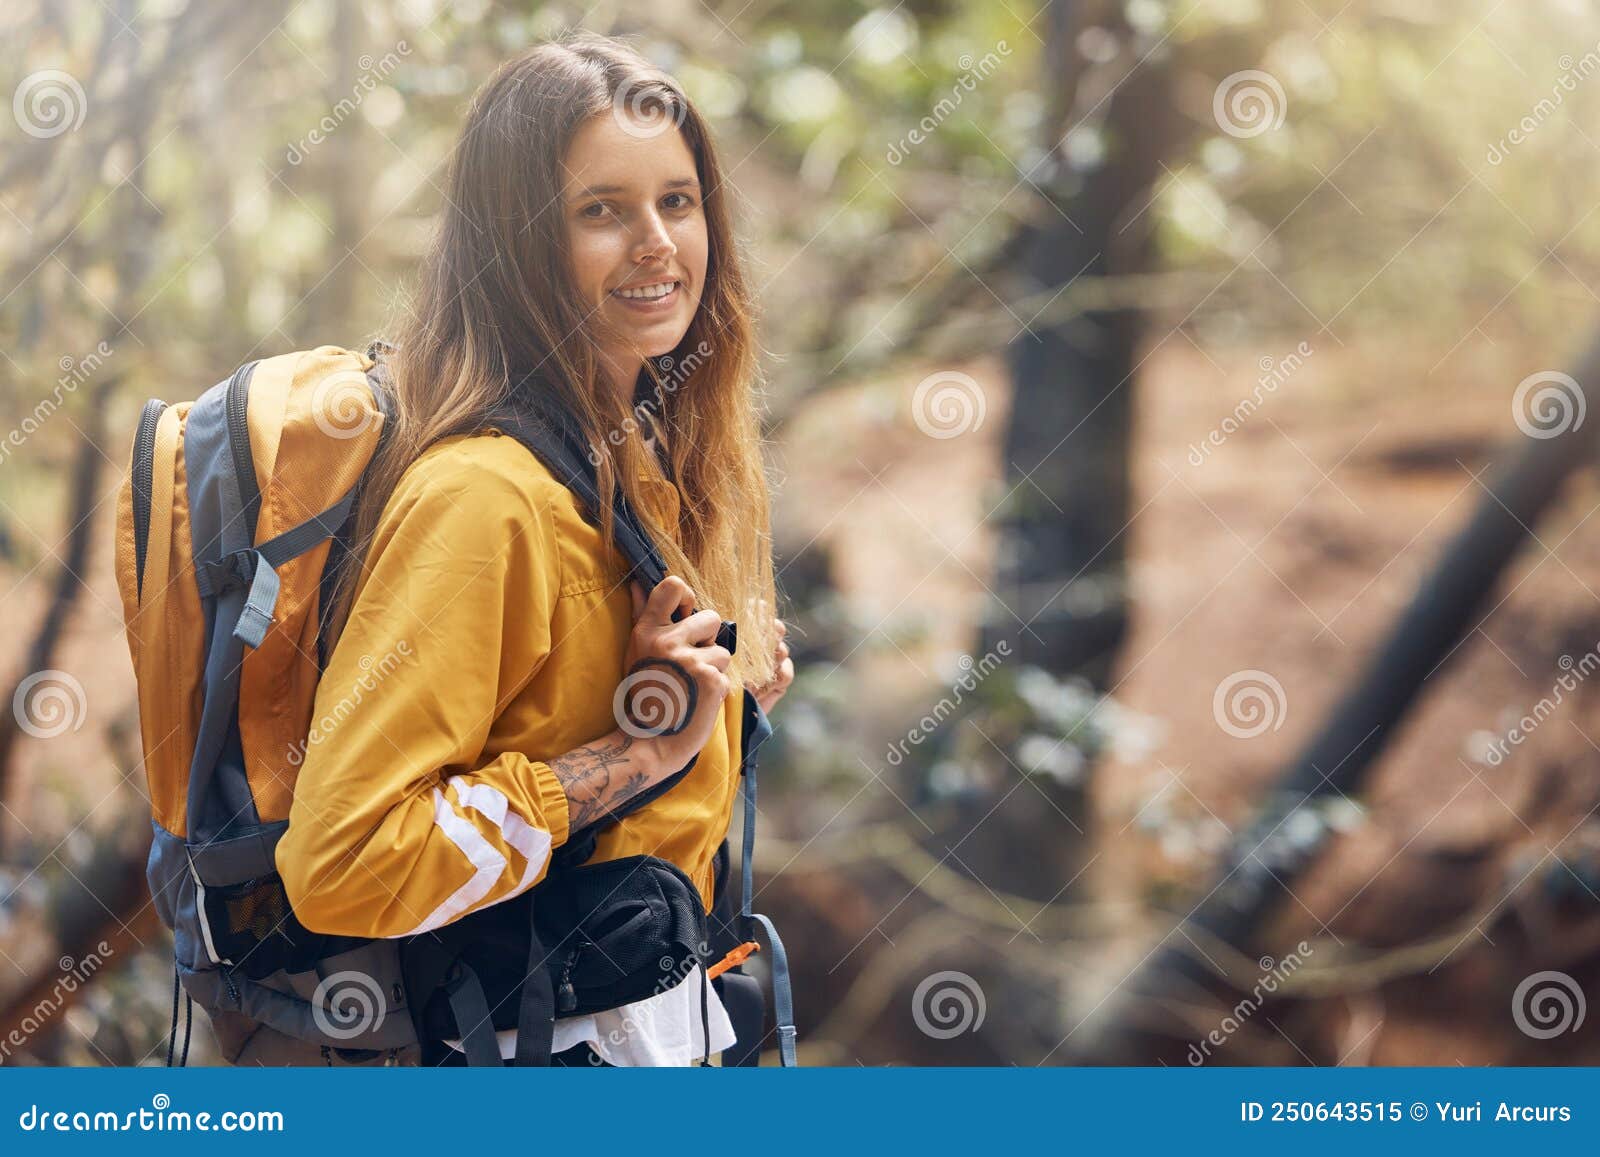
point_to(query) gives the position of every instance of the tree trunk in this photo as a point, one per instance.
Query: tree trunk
(1061, 598)
(1061, 586)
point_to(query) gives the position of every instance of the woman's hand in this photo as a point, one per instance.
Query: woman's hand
(666, 706)
(675, 676)
(773, 691)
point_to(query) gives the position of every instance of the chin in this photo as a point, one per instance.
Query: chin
(661, 349)
(655, 346)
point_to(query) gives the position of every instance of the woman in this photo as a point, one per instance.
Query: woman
(585, 259)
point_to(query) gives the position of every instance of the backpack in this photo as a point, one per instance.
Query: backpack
(232, 529)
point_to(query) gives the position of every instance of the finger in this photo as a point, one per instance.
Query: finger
(637, 598)
(782, 676)
(685, 606)
(671, 595)
(697, 630)
(719, 657)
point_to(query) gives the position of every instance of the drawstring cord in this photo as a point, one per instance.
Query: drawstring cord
(705, 1018)
(188, 1021)
(172, 1030)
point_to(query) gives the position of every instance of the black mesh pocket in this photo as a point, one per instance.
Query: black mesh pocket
(619, 931)
(253, 925)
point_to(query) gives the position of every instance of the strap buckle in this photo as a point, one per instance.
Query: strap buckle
(237, 569)
(242, 564)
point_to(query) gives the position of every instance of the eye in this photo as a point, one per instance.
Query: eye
(590, 210)
(683, 201)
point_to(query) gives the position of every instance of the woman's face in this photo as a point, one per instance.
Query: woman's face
(636, 232)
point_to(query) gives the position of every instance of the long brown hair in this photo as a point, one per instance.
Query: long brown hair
(496, 300)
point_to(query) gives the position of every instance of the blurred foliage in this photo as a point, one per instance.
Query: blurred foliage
(251, 176)
(1374, 193)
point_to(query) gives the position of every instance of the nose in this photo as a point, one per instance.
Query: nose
(654, 240)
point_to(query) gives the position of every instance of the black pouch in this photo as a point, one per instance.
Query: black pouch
(619, 931)
(612, 933)
(253, 925)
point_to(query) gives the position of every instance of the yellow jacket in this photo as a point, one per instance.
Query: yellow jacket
(486, 636)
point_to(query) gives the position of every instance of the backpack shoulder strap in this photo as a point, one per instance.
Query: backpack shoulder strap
(553, 437)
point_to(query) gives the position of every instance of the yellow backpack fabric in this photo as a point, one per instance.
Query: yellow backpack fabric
(231, 510)
(316, 414)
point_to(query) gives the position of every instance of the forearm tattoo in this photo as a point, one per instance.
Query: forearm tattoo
(597, 778)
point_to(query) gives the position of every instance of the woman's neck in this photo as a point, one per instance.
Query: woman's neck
(623, 379)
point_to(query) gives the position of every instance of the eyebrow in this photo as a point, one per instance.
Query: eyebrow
(602, 190)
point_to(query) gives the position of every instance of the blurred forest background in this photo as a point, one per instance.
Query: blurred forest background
(1131, 367)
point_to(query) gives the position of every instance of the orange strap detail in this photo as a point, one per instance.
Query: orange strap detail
(736, 957)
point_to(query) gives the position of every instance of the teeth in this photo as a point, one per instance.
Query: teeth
(649, 292)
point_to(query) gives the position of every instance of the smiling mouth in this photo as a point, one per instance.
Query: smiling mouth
(658, 293)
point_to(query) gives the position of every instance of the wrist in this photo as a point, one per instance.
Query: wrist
(646, 754)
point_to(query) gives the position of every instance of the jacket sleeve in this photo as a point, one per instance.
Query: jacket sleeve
(399, 823)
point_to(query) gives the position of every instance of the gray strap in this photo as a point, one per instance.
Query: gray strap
(756, 728)
(292, 543)
(256, 616)
(295, 541)
(782, 993)
(471, 1009)
(536, 1012)
(748, 844)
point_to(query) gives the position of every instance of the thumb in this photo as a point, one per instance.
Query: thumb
(636, 596)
